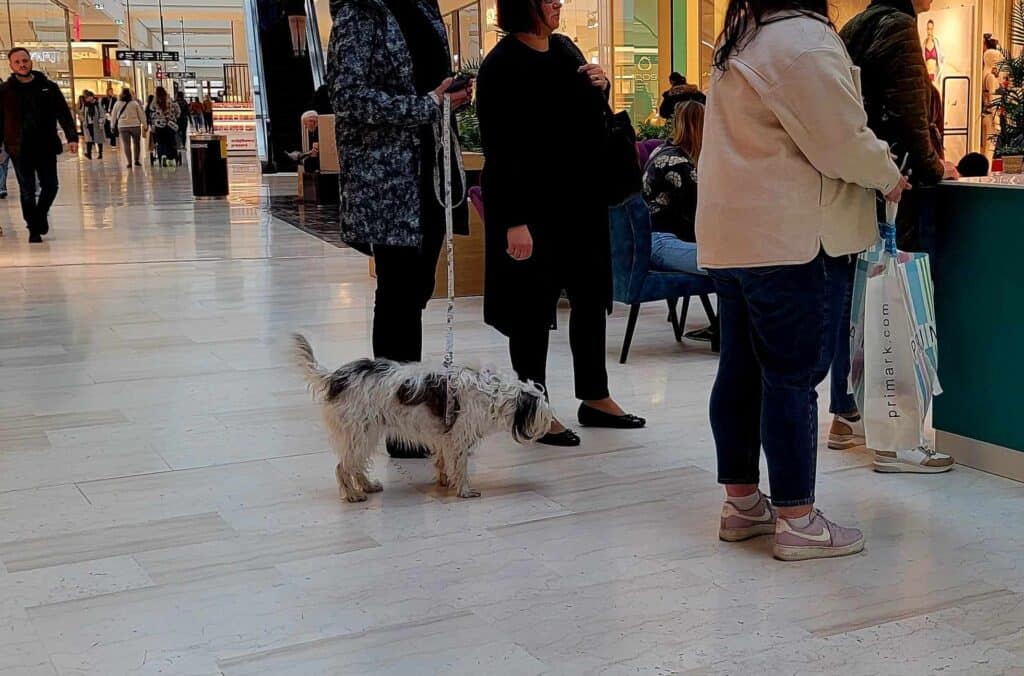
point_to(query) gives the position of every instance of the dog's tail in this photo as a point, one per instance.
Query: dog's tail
(316, 375)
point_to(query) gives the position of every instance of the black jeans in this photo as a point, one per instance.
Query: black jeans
(528, 350)
(405, 282)
(779, 327)
(27, 168)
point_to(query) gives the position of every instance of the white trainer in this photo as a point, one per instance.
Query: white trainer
(920, 460)
(845, 433)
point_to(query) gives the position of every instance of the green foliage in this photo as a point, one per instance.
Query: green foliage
(646, 130)
(1009, 105)
(469, 128)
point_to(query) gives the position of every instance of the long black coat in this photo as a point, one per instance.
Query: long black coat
(543, 133)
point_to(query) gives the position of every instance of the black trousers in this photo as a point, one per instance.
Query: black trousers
(405, 282)
(29, 167)
(587, 321)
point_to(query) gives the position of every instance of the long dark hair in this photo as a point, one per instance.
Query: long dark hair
(745, 17)
(161, 99)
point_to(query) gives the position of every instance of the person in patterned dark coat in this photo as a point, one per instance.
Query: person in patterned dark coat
(388, 68)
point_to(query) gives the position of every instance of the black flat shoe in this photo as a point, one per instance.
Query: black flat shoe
(397, 449)
(564, 438)
(705, 335)
(591, 417)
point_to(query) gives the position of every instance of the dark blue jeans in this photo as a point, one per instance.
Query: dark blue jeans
(841, 401)
(778, 329)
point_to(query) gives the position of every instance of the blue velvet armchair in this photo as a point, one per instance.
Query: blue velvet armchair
(634, 280)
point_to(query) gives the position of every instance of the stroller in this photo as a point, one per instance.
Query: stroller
(163, 147)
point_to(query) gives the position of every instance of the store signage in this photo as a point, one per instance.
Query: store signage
(185, 75)
(46, 56)
(138, 55)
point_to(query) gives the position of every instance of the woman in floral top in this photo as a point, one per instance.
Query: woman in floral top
(670, 190)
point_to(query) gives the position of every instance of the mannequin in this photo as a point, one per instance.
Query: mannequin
(989, 94)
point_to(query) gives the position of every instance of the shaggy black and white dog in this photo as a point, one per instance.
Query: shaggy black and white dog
(369, 399)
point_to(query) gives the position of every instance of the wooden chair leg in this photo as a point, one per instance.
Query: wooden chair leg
(634, 312)
(673, 318)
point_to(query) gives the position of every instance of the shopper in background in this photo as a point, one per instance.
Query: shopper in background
(884, 43)
(208, 113)
(546, 225)
(183, 116)
(108, 102)
(670, 190)
(788, 173)
(93, 117)
(128, 120)
(902, 107)
(164, 116)
(149, 110)
(388, 67)
(679, 92)
(31, 108)
(195, 109)
(973, 165)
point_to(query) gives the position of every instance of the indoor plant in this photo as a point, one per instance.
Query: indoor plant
(1009, 105)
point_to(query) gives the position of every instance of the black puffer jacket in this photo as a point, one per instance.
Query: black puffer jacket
(883, 41)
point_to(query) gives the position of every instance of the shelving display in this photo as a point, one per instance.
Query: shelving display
(237, 121)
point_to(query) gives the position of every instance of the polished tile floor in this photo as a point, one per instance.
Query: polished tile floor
(167, 502)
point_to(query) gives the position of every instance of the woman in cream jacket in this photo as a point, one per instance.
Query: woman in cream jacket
(789, 177)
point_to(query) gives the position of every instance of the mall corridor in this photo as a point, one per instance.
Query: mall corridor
(168, 502)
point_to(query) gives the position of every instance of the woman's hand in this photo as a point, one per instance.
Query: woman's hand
(520, 243)
(314, 150)
(459, 98)
(597, 76)
(897, 193)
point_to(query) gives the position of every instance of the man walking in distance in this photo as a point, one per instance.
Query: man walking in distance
(31, 107)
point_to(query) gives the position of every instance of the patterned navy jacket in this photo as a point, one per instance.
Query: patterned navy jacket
(378, 116)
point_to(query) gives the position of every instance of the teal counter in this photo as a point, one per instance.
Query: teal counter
(979, 307)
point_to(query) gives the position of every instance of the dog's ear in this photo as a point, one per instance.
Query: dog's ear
(430, 390)
(527, 405)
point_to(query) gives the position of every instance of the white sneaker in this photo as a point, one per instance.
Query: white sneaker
(845, 433)
(920, 460)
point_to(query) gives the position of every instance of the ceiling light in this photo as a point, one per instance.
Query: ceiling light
(98, 5)
(119, 22)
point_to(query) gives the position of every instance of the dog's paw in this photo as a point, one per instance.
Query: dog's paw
(374, 487)
(355, 498)
(469, 493)
(442, 480)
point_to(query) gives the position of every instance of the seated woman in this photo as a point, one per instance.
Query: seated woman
(670, 190)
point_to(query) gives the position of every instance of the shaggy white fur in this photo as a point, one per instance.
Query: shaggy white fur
(368, 399)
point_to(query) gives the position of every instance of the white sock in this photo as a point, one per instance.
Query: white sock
(746, 502)
(800, 521)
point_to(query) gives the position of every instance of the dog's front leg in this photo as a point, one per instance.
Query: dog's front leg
(460, 474)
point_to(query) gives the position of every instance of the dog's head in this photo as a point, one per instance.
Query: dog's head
(532, 416)
(507, 403)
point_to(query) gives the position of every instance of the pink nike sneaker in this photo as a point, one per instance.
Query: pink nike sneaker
(738, 524)
(819, 539)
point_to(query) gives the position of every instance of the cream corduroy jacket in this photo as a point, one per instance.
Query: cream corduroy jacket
(788, 164)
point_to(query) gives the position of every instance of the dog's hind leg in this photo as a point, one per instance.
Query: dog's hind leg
(369, 441)
(442, 475)
(458, 471)
(351, 455)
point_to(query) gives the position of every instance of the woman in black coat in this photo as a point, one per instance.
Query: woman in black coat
(546, 219)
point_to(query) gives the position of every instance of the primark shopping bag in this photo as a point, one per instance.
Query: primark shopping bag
(894, 349)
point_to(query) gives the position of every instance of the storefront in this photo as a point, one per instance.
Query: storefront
(954, 34)
(42, 27)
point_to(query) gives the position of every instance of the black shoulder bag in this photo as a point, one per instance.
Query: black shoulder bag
(623, 174)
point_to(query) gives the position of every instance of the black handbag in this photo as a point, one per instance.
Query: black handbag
(624, 176)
